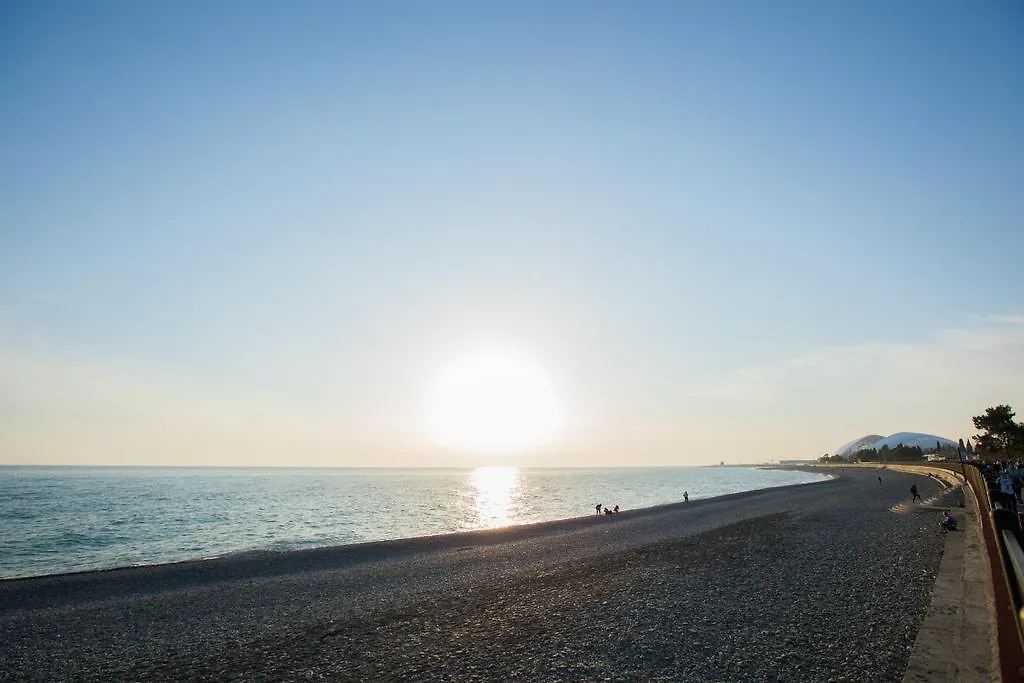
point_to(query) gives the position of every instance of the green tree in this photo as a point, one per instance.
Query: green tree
(865, 455)
(1000, 434)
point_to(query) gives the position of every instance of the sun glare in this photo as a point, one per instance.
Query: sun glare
(493, 402)
(496, 492)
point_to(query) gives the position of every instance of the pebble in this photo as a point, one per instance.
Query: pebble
(778, 586)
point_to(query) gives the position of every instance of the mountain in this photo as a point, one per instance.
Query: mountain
(909, 439)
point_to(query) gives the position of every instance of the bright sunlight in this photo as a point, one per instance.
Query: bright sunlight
(496, 493)
(493, 402)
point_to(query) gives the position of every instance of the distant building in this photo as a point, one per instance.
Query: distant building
(926, 442)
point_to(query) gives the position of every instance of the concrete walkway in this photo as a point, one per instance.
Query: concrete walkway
(957, 641)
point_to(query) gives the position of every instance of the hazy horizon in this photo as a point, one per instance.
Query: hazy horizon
(539, 234)
(382, 467)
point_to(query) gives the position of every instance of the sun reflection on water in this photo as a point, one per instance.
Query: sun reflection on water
(496, 492)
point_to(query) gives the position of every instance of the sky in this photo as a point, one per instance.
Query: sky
(256, 233)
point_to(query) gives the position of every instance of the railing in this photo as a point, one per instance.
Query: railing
(1002, 530)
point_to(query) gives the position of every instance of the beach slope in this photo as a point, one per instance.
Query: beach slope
(824, 581)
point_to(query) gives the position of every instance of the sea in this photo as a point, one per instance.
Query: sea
(56, 520)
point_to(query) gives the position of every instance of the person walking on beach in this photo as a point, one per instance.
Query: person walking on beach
(598, 508)
(917, 496)
(686, 496)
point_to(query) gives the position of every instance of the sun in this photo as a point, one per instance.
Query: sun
(493, 401)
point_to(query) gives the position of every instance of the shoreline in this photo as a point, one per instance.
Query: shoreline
(529, 527)
(755, 586)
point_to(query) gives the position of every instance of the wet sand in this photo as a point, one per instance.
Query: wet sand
(774, 584)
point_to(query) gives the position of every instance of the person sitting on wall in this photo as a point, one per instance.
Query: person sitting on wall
(948, 522)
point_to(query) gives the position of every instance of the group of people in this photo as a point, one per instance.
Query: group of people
(1004, 482)
(599, 508)
(615, 510)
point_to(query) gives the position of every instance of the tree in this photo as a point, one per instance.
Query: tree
(901, 452)
(865, 455)
(1000, 434)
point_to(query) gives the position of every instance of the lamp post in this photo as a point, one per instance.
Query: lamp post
(960, 452)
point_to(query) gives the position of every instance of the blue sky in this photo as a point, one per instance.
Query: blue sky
(251, 232)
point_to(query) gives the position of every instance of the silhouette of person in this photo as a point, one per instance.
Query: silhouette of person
(917, 496)
(616, 510)
(879, 480)
(598, 508)
(686, 496)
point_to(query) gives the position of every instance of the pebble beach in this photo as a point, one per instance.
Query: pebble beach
(818, 582)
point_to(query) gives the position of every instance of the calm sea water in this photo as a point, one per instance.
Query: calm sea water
(65, 519)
